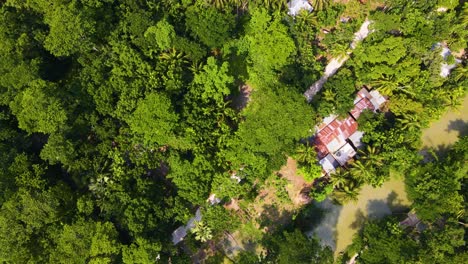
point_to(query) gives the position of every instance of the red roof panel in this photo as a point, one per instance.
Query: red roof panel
(348, 127)
(359, 107)
(363, 93)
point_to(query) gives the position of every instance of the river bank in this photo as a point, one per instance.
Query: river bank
(445, 131)
(341, 223)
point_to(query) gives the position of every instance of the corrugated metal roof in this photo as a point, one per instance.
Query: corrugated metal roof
(363, 93)
(333, 133)
(321, 149)
(179, 234)
(360, 106)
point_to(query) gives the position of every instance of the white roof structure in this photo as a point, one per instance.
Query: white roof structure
(213, 199)
(344, 154)
(180, 233)
(295, 6)
(376, 99)
(444, 67)
(236, 178)
(329, 164)
(356, 139)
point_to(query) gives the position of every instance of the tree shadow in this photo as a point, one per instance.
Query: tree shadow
(395, 204)
(325, 230)
(432, 154)
(229, 245)
(378, 209)
(383, 207)
(459, 125)
(309, 217)
(271, 218)
(239, 101)
(359, 221)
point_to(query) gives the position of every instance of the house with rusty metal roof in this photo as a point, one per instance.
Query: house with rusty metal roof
(337, 140)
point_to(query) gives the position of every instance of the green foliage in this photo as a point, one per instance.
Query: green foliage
(385, 245)
(339, 91)
(154, 121)
(163, 34)
(435, 188)
(219, 220)
(141, 251)
(70, 30)
(212, 27)
(310, 172)
(295, 247)
(118, 118)
(268, 45)
(328, 16)
(320, 5)
(202, 232)
(273, 123)
(38, 110)
(321, 190)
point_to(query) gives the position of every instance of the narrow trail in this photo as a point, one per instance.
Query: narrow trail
(336, 63)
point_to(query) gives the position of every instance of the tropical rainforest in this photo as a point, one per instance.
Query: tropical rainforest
(119, 118)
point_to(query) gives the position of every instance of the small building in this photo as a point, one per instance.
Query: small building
(329, 164)
(336, 140)
(213, 200)
(334, 135)
(295, 6)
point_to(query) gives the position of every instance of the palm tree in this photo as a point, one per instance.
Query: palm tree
(409, 122)
(319, 5)
(460, 73)
(202, 232)
(342, 197)
(329, 95)
(348, 192)
(346, 187)
(305, 18)
(388, 85)
(464, 16)
(339, 178)
(277, 4)
(196, 67)
(305, 154)
(174, 57)
(340, 50)
(220, 4)
(361, 172)
(371, 157)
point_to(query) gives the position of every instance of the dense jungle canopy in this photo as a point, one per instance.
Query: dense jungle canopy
(118, 119)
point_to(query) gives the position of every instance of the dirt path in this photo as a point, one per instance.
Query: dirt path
(297, 186)
(335, 63)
